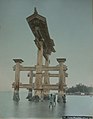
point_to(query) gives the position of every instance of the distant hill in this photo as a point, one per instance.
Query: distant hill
(80, 88)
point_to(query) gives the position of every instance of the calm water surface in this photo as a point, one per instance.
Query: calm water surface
(75, 106)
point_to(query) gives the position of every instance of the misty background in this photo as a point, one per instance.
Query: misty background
(70, 26)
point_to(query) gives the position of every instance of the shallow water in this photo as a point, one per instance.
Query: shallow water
(75, 106)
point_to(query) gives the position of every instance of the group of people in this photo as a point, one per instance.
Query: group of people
(52, 100)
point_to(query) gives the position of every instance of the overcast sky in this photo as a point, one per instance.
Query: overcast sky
(70, 26)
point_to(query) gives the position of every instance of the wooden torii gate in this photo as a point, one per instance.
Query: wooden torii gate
(40, 71)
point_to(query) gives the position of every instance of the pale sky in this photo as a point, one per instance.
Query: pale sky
(70, 26)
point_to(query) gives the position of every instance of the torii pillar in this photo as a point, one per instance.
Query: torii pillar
(30, 75)
(46, 76)
(61, 90)
(17, 79)
(38, 80)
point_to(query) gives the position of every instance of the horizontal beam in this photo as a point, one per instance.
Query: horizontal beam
(51, 87)
(50, 75)
(23, 86)
(29, 86)
(53, 75)
(44, 68)
(51, 68)
(27, 68)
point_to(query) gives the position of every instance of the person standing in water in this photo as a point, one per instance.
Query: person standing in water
(54, 100)
(51, 101)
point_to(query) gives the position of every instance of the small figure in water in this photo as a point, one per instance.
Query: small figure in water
(54, 100)
(51, 101)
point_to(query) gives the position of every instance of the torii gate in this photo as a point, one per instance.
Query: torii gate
(45, 47)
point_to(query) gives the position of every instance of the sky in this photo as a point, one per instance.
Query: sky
(70, 26)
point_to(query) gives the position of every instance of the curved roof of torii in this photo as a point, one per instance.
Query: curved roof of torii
(39, 28)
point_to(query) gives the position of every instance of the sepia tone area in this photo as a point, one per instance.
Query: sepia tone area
(40, 71)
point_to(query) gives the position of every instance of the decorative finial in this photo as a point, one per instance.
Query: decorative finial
(35, 11)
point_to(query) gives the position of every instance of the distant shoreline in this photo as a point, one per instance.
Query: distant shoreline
(81, 94)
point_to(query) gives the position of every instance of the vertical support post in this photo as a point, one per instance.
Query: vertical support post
(31, 78)
(38, 80)
(17, 79)
(61, 90)
(30, 75)
(46, 76)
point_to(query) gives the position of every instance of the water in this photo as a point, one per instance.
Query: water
(75, 106)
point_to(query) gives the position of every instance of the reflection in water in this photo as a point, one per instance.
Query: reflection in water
(25, 109)
(16, 109)
(61, 108)
(40, 109)
(64, 110)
